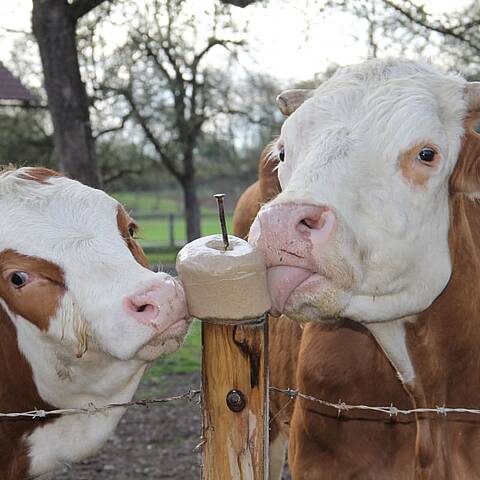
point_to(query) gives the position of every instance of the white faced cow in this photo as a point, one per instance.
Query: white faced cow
(80, 317)
(375, 239)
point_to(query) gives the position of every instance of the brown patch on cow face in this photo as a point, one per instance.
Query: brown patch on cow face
(39, 174)
(414, 170)
(38, 299)
(127, 228)
(466, 174)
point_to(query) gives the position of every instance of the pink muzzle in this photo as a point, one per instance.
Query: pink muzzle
(160, 305)
(291, 236)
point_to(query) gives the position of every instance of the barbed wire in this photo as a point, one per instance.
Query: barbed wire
(195, 396)
(391, 410)
(92, 409)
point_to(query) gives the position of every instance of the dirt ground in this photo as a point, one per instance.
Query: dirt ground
(150, 443)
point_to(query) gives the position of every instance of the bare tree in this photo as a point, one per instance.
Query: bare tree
(457, 34)
(401, 26)
(54, 24)
(170, 90)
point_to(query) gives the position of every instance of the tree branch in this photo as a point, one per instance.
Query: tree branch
(145, 43)
(166, 160)
(212, 43)
(117, 128)
(177, 83)
(239, 3)
(13, 30)
(79, 8)
(242, 113)
(121, 173)
(424, 23)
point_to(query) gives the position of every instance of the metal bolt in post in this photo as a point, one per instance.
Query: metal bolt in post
(235, 400)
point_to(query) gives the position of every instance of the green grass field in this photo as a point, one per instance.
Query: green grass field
(148, 202)
(156, 232)
(163, 257)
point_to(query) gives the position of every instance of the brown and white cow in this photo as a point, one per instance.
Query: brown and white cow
(374, 241)
(81, 317)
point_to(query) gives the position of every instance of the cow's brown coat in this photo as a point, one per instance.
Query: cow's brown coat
(18, 393)
(263, 190)
(124, 222)
(344, 362)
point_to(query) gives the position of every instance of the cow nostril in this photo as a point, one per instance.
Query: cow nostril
(141, 308)
(312, 223)
(304, 222)
(145, 307)
(315, 222)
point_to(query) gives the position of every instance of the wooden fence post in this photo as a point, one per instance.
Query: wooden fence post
(234, 357)
(235, 401)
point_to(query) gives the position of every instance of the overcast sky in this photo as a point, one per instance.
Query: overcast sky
(277, 35)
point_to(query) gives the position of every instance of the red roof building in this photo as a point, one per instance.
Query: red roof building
(12, 89)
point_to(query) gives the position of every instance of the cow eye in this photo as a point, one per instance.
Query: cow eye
(427, 155)
(19, 279)
(281, 154)
(132, 229)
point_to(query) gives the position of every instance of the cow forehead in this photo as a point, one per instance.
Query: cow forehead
(395, 104)
(56, 218)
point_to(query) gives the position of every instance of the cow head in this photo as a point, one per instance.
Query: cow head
(72, 276)
(367, 163)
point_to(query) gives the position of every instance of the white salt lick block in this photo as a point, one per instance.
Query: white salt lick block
(224, 286)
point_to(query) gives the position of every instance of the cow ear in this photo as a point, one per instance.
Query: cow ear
(289, 100)
(472, 96)
(267, 174)
(465, 178)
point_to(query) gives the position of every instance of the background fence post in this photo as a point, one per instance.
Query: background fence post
(171, 229)
(235, 402)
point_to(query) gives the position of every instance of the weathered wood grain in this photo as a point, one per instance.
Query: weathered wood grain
(236, 445)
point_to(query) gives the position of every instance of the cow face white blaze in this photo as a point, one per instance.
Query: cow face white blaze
(66, 252)
(364, 212)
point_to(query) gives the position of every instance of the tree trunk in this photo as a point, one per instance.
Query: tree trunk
(54, 24)
(192, 208)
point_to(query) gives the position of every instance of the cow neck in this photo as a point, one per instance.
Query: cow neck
(443, 342)
(18, 393)
(440, 346)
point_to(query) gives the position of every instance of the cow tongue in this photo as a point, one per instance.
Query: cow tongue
(282, 281)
